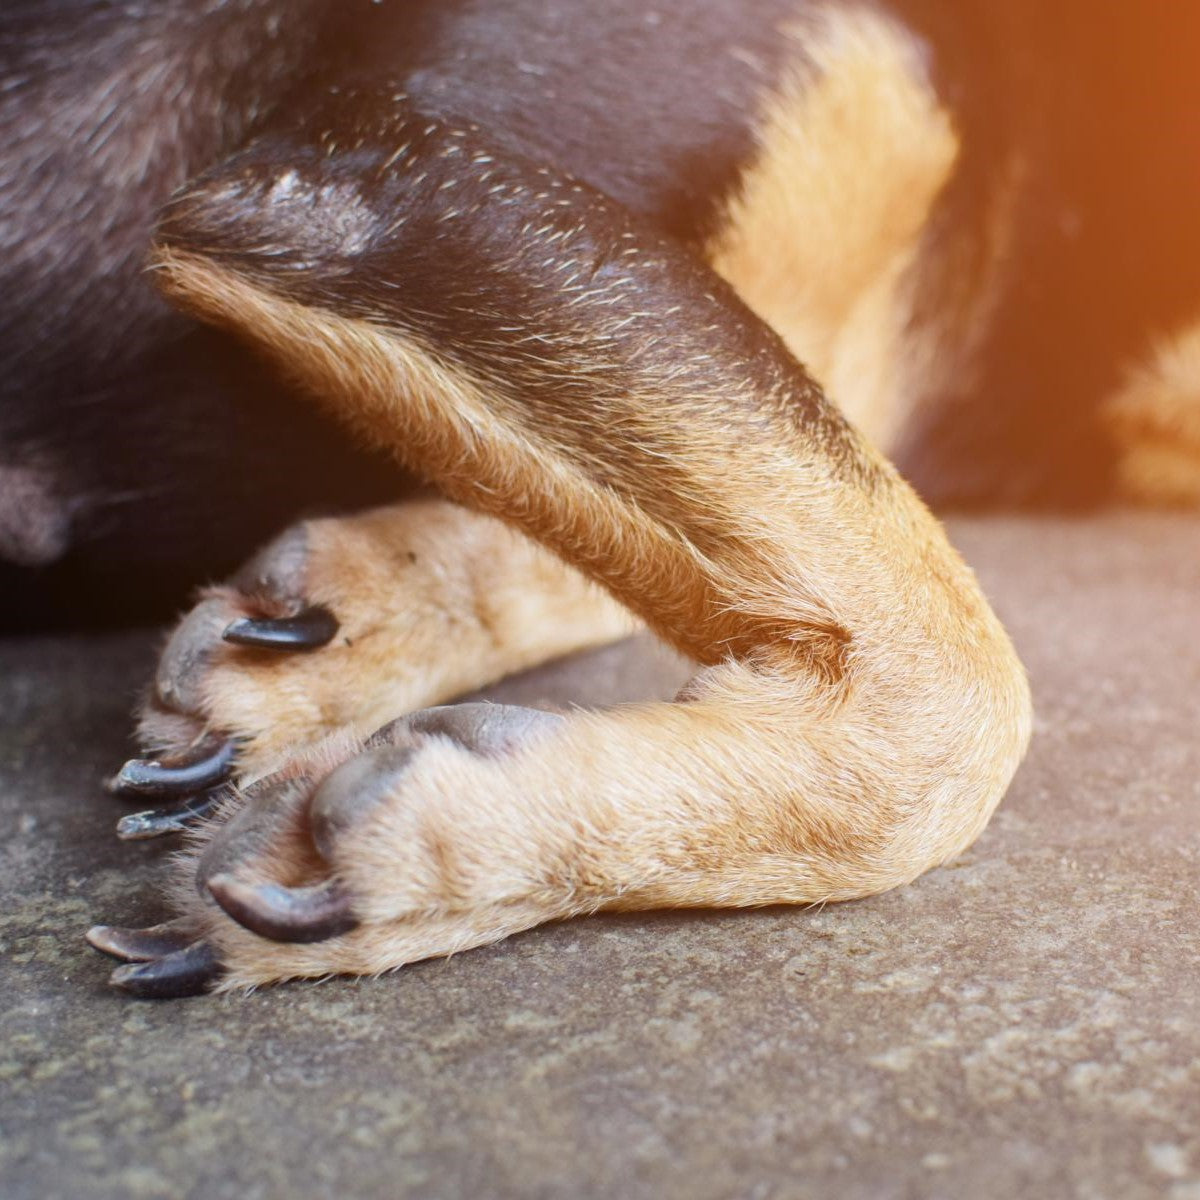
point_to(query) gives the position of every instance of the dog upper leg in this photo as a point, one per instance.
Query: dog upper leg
(529, 346)
(539, 354)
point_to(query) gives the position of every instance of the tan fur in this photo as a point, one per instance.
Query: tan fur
(1155, 419)
(824, 229)
(432, 600)
(861, 717)
(480, 448)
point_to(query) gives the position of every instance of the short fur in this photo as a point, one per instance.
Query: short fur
(601, 333)
(829, 265)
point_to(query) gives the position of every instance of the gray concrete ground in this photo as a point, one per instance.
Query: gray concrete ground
(1023, 1024)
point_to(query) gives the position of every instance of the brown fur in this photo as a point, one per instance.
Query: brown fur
(823, 233)
(432, 600)
(1155, 419)
(867, 768)
(860, 711)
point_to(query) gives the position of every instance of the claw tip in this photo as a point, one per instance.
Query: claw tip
(97, 936)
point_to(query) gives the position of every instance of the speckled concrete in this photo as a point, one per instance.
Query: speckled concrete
(1024, 1024)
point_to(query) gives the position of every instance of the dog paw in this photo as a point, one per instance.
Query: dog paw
(239, 678)
(356, 870)
(337, 627)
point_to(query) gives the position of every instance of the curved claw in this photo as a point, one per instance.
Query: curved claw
(307, 630)
(205, 765)
(307, 914)
(186, 972)
(157, 822)
(140, 945)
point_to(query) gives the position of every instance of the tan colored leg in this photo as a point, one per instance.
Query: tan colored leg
(1155, 422)
(431, 601)
(861, 711)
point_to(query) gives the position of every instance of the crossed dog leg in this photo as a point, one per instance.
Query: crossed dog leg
(343, 624)
(859, 713)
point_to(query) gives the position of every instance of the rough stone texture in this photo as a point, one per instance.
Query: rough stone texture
(1025, 1023)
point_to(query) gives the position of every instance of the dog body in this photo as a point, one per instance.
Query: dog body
(564, 262)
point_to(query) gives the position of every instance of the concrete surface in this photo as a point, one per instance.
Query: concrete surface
(1024, 1024)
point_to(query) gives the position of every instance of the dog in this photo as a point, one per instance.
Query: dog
(574, 316)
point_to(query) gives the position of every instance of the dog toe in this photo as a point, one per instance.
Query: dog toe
(191, 971)
(300, 915)
(205, 764)
(308, 630)
(141, 945)
(157, 822)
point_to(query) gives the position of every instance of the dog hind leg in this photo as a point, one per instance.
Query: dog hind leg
(540, 355)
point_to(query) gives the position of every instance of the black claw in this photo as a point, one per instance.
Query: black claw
(157, 822)
(205, 765)
(140, 945)
(308, 914)
(308, 630)
(186, 972)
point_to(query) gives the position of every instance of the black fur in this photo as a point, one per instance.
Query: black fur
(158, 453)
(140, 455)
